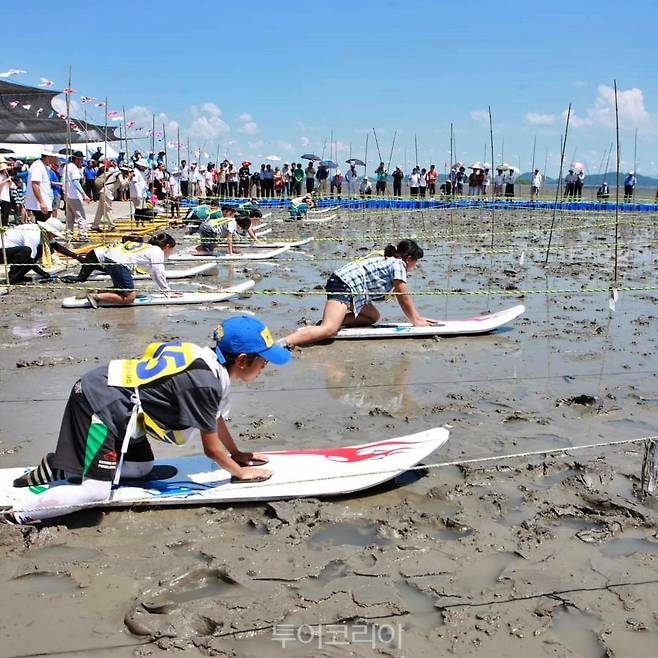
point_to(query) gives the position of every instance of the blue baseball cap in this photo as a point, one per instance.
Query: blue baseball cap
(246, 335)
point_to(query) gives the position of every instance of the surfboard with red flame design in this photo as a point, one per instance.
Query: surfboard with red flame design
(297, 474)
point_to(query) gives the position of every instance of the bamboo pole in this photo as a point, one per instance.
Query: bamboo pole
(617, 186)
(68, 151)
(125, 131)
(379, 153)
(563, 147)
(493, 195)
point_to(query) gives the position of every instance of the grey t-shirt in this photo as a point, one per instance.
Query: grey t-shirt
(194, 398)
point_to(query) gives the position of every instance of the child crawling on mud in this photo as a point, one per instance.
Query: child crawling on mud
(113, 411)
(352, 288)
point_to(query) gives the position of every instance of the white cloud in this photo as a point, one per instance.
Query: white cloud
(207, 121)
(539, 119)
(285, 146)
(305, 141)
(245, 116)
(273, 158)
(480, 116)
(632, 113)
(249, 128)
(258, 144)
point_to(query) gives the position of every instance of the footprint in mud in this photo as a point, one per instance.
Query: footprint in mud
(46, 582)
(161, 611)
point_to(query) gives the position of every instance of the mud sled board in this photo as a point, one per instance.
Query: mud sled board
(160, 299)
(185, 273)
(482, 324)
(297, 473)
(261, 254)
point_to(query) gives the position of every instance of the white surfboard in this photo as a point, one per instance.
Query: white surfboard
(184, 273)
(323, 210)
(277, 245)
(319, 220)
(261, 254)
(482, 324)
(297, 474)
(160, 299)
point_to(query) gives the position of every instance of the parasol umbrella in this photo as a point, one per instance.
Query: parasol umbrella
(476, 165)
(513, 169)
(356, 161)
(6, 151)
(457, 165)
(329, 164)
(504, 166)
(311, 157)
(577, 166)
(486, 165)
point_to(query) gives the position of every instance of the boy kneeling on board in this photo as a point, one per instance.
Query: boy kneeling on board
(299, 207)
(173, 389)
(214, 230)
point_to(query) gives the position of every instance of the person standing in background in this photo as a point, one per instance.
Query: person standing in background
(381, 175)
(629, 186)
(432, 175)
(39, 192)
(90, 172)
(298, 179)
(310, 178)
(184, 178)
(74, 196)
(398, 176)
(535, 184)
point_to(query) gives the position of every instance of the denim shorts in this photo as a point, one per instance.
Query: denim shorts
(121, 277)
(338, 290)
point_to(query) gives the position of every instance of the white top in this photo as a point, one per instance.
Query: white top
(208, 179)
(498, 180)
(148, 257)
(5, 183)
(414, 180)
(138, 186)
(510, 178)
(25, 235)
(184, 176)
(536, 180)
(422, 179)
(38, 174)
(174, 186)
(72, 173)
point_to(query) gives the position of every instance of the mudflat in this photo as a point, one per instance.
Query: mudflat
(541, 555)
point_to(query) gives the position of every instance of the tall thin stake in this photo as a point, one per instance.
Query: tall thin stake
(416, 147)
(68, 152)
(125, 130)
(493, 196)
(617, 183)
(635, 153)
(153, 134)
(390, 157)
(563, 146)
(379, 153)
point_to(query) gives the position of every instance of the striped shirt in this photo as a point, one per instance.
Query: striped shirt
(371, 279)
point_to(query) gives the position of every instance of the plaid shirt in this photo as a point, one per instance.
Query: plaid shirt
(369, 280)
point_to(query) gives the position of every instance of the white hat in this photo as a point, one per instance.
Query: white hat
(50, 152)
(142, 163)
(53, 226)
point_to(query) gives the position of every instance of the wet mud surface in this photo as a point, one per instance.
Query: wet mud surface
(543, 555)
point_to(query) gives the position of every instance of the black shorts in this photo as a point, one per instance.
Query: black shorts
(339, 291)
(121, 277)
(86, 446)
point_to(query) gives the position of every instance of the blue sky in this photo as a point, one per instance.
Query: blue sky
(274, 79)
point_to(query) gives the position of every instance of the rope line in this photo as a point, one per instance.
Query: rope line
(516, 292)
(389, 471)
